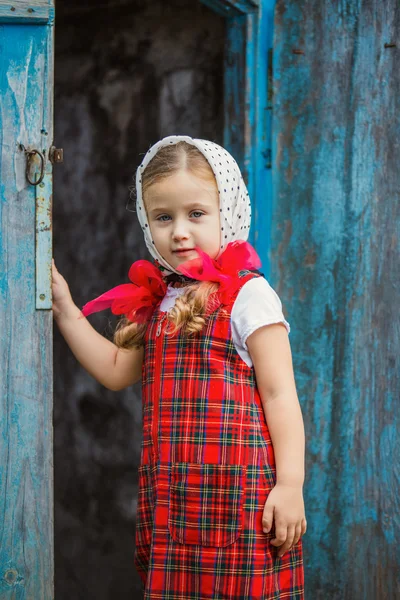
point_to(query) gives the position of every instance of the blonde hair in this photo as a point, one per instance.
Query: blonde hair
(189, 311)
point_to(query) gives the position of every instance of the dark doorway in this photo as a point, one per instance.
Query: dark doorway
(127, 73)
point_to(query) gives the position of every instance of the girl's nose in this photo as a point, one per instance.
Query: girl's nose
(180, 231)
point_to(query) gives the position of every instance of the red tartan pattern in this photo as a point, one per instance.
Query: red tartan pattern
(207, 467)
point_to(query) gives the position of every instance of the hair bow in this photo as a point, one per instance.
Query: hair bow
(135, 300)
(238, 255)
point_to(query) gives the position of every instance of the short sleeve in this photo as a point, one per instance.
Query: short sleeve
(257, 304)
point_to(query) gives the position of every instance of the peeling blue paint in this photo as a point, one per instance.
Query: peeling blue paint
(26, 440)
(335, 239)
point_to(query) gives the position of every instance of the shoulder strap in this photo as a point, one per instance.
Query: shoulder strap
(245, 272)
(245, 276)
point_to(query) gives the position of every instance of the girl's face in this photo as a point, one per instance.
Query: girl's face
(183, 212)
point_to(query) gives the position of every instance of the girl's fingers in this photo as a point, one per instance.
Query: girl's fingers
(280, 534)
(297, 534)
(289, 541)
(268, 517)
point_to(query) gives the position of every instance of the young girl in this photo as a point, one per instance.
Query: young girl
(220, 506)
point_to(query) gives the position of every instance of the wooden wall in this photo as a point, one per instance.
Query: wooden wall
(335, 250)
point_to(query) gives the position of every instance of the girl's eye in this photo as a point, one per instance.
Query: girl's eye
(196, 214)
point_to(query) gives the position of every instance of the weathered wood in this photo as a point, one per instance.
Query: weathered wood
(262, 191)
(26, 3)
(26, 440)
(335, 249)
(21, 11)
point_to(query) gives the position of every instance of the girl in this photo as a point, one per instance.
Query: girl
(220, 506)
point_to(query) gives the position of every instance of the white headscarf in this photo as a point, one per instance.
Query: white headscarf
(234, 201)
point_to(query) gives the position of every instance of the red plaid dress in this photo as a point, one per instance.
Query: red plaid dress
(207, 467)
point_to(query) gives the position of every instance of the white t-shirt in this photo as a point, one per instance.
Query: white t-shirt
(257, 304)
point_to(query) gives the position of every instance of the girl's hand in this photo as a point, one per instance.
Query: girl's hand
(285, 504)
(62, 299)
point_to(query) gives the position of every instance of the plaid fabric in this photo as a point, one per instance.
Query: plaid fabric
(207, 467)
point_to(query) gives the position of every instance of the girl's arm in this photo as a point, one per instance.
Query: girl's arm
(269, 349)
(270, 352)
(113, 367)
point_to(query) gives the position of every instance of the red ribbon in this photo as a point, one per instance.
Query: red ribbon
(237, 256)
(137, 300)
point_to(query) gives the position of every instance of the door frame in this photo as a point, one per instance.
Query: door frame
(26, 372)
(248, 105)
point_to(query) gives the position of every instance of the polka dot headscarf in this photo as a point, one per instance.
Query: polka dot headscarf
(234, 201)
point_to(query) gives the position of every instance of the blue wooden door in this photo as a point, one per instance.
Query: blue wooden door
(26, 440)
(335, 248)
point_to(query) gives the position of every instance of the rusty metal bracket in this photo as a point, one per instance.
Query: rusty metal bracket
(56, 155)
(43, 238)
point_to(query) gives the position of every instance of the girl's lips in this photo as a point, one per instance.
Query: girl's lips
(183, 251)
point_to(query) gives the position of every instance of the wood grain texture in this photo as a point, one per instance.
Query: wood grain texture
(26, 440)
(26, 3)
(34, 12)
(335, 250)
